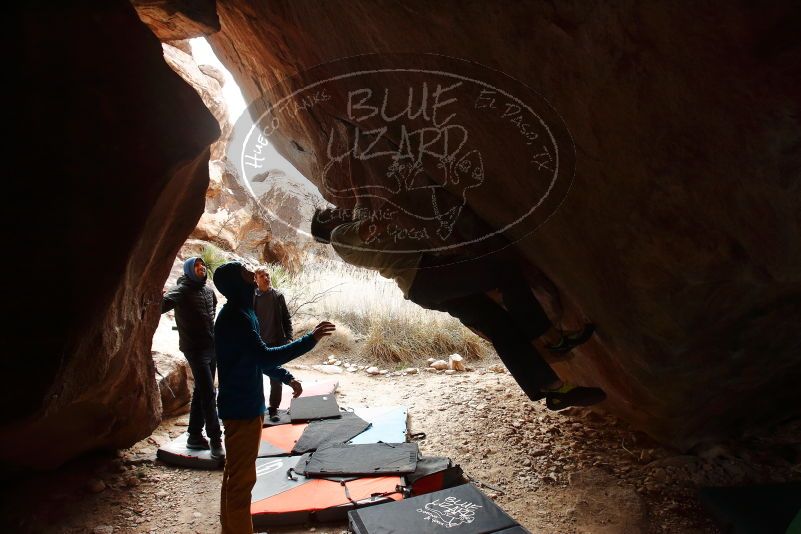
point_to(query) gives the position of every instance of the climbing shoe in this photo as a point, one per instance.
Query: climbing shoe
(273, 413)
(572, 340)
(197, 442)
(569, 395)
(217, 450)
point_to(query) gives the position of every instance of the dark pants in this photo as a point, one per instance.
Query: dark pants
(276, 387)
(203, 410)
(458, 288)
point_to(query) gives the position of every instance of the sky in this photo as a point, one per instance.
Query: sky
(236, 105)
(203, 54)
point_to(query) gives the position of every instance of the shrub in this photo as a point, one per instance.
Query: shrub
(279, 276)
(213, 257)
(392, 328)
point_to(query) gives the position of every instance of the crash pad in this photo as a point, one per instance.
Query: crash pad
(176, 453)
(461, 509)
(310, 387)
(387, 424)
(341, 459)
(434, 473)
(340, 430)
(283, 418)
(279, 500)
(313, 407)
(280, 440)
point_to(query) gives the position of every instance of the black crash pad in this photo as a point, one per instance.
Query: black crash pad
(314, 407)
(369, 459)
(340, 430)
(459, 510)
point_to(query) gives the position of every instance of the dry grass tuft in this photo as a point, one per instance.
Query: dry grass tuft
(380, 323)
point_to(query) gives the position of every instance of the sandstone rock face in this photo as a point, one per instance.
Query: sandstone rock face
(232, 219)
(181, 19)
(208, 82)
(236, 218)
(680, 236)
(125, 180)
(175, 383)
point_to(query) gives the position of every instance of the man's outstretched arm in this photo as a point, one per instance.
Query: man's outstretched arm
(271, 357)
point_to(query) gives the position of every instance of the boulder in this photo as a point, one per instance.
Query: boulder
(456, 362)
(208, 82)
(175, 382)
(678, 237)
(181, 19)
(439, 365)
(123, 186)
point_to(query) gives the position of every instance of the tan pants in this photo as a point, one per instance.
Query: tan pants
(242, 438)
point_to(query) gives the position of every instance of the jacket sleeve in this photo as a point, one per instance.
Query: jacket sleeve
(271, 357)
(286, 320)
(171, 298)
(279, 373)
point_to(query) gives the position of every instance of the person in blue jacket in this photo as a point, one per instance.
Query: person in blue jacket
(242, 358)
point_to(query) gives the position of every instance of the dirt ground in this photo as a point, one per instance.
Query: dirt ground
(554, 472)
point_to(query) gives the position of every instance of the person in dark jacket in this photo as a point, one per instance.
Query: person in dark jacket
(275, 327)
(242, 358)
(195, 304)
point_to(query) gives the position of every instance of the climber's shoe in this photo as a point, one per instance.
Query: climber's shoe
(273, 413)
(217, 451)
(569, 395)
(197, 442)
(572, 340)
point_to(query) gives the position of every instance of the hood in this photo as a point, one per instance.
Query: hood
(228, 280)
(189, 270)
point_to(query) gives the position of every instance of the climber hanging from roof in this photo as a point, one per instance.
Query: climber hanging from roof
(459, 285)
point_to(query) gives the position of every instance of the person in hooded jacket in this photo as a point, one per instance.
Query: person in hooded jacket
(243, 357)
(275, 325)
(195, 304)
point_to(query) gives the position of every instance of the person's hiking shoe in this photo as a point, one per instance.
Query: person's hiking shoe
(198, 443)
(568, 395)
(217, 450)
(273, 413)
(573, 340)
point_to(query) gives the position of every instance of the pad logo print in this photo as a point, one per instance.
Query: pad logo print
(449, 512)
(422, 146)
(268, 467)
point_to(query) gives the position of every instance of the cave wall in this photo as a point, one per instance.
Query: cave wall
(112, 158)
(681, 235)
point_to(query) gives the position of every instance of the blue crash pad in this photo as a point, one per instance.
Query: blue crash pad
(388, 424)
